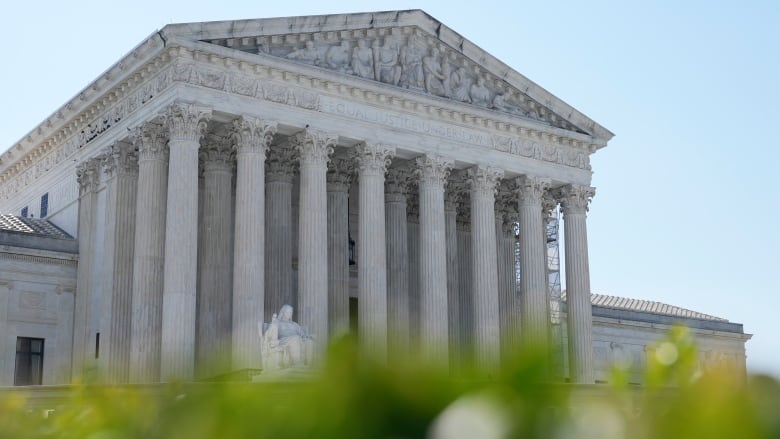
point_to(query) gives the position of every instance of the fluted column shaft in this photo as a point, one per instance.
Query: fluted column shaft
(451, 198)
(510, 280)
(533, 268)
(88, 176)
(149, 254)
(185, 124)
(314, 149)
(398, 320)
(413, 247)
(574, 205)
(434, 321)
(506, 296)
(252, 137)
(121, 162)
(279, 229)
(339, 179)
(485, 274)
(372, 161)
(214, 322)
(466, 308)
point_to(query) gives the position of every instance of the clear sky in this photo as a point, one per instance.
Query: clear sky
(685, 213)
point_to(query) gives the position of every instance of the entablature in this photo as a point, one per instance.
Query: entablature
(281, 81)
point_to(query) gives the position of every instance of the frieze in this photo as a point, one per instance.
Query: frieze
(142, 87)
(71, 138)
(393, 119)
(526, 147)
(404, 57)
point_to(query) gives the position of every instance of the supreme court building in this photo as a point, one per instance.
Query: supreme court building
(377, 161)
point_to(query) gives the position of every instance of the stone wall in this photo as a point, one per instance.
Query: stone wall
(37, 289)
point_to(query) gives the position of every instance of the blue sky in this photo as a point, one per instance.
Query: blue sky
(685, 213)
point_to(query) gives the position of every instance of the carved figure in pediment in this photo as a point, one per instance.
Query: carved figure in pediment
(338, 57)
(411, 64)
(501, 102)
(446, 72)
(433, 76)
(479, 93)
(363, 60)
(309, 54)
(386, 65)
(460, 85)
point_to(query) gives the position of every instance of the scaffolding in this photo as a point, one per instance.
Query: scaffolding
(552, 239)
(553, 265)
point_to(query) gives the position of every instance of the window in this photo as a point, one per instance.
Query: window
(353, 315)
(29, 361)
(25, 211)
(44, 205)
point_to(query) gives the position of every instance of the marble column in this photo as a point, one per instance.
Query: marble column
(185, 123)
(214, 320)
(533, 268)
(413, 247)
(121, 166)
(509, 278)
(88, 177)
(396, 188)
(279, 173)
(252, 138)
(372, 161)
(314, 148)
(434, 322)
(149, 253)
(466, 299)
(574, 205)
(506, 294)
(452, 195)
(485, 274)
(339, 178)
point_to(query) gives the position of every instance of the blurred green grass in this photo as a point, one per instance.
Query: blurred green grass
(355, 398)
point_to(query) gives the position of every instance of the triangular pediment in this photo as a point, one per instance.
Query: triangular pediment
(405, 49)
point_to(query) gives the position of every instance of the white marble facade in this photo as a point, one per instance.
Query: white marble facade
(220, 169)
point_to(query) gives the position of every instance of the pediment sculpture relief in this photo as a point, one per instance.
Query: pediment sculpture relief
(404, 57)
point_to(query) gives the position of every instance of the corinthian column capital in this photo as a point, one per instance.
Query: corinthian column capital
(217, 152)
(314, 146)
(397, 183)
(433, 169)
(575, 198)
(549, 203)
(151, 140)
(88, 174)
(252, 135)
(280, 164)
(456, 189)
(530, 189)
(484, 179)
(339, 174)
(186, 122)
(122, 158)
(373, 158)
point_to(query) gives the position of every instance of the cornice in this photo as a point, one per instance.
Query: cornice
(272, 79)
(91, 117)
(242, 33)
(334, 83)
(101, 91)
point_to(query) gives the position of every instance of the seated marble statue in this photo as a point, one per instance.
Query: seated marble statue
(284, 343)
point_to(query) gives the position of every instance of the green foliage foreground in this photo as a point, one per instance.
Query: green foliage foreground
(353, 399)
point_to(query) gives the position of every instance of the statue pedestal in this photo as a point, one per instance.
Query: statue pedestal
(287, 374)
